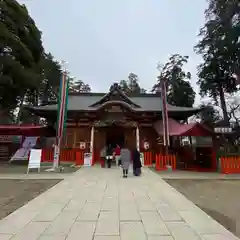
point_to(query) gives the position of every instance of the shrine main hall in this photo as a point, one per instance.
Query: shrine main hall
(95, 120)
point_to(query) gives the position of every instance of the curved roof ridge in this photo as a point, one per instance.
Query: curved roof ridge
(115, 102)
(114, 88)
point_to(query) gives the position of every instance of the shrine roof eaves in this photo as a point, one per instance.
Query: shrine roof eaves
(147, 102)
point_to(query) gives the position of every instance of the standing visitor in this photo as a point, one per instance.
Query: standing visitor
(125, 160)
(103, 156)
(137, 163)
(117, 151)
(109, 156)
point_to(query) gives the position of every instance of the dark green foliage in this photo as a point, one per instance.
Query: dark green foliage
(209, 116)
(131, 85)
(20, 52)
(27, 74)
(179, 89)
(220, 49)
(79, 86)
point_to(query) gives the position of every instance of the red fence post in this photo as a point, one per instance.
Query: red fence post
(79, 158)
(174, 162)
(157, 158)
(230, 164)
(162, 161)
(43, 157)
(47, 155)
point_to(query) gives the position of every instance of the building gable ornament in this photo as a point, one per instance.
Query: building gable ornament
(114, 109)
(115, 94)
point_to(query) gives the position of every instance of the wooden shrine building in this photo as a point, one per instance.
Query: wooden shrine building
(95, 120)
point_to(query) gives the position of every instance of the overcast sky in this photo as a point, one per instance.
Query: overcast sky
(104, 40)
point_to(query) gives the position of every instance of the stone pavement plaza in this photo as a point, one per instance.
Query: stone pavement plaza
(98, 204)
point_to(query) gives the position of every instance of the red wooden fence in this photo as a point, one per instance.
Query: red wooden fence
(77, 156)
(66, 155)
(230, 164)
(163, 160)
(148, 158)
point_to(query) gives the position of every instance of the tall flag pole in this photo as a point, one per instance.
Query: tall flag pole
(62, 116)
(163, 82)
(165, 114)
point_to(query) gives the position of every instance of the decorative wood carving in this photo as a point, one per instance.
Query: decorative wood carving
(114, 109)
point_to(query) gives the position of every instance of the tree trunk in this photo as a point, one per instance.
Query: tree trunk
(35, 104)
(4, 115)
(223, 106)
(20, 109)
(45, 97)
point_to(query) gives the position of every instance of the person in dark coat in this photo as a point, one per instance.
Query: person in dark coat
(109, 155)
(136, 163)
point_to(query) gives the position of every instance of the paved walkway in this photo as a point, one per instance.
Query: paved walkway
(98, 204)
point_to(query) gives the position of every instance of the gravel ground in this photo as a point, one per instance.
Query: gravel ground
(218, 198)
(16, 193)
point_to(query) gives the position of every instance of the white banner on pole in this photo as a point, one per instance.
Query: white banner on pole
(34, 159)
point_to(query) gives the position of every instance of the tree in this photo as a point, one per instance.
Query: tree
(20, 52)
(220, 49)
(233, 107)
(209, 115)
(124, 86)
(79, 86)
(49, 71)
(179, 89)
(131, 85)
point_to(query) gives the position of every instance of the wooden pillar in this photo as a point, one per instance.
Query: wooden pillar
(91, 145)
(137, 138)
(92, 139)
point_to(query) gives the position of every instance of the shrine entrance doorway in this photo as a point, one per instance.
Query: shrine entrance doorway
(115, 136)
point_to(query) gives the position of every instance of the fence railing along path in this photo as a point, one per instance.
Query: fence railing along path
(229, 164)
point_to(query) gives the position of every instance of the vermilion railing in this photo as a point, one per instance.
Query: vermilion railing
(66, 155)
(163, 160)
(77, 156)
(230, 164)
(148, 158)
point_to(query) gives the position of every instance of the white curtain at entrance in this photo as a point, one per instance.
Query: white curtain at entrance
(137, 139)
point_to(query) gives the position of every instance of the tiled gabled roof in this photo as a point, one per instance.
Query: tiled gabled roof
(143, 102)
(147, 102)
